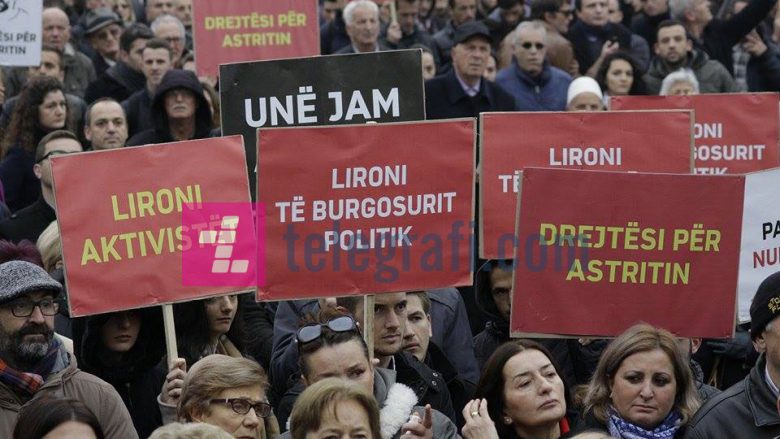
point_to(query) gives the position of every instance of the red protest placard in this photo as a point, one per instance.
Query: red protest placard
(734, 133)
(366, 208)
(120, 218)
(229, 31)
(643, 141)
(601, 251)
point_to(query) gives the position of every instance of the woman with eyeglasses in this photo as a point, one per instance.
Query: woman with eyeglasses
(230, 393)
(40, 109)
(124, 349)
(336, 349)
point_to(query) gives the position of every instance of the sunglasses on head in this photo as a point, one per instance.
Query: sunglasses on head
(309, 333)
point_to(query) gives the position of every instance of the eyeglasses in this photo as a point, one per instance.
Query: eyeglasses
(528, 46)
(24, 308)
(242, 406)
(55, 152)
(309, 333)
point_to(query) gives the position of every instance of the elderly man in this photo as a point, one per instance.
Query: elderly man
(718, 37)
(362, 21)
(125, 77)
(180, 111)
(674, 50)
(103, 28)
(535, 85)
(105, 125)
(170, 29)
(34, 364)
(29, 223)
(462, 92)
(749, 408)
(78, 68)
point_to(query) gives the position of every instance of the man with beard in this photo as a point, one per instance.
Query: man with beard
(34, 364)
(675, 50)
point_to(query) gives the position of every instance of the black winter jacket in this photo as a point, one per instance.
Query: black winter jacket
(719, 36)
(136, 378)
(161, 132)
(745, 410)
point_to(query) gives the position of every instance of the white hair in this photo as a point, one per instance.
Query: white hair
(529, 25)
(349, 10)
(678, 8)
(681, 75)
(168, 18)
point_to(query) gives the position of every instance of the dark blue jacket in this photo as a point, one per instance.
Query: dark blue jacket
(445, 98)
(546, 92)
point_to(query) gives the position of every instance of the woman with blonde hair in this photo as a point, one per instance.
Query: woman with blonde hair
(230, 393)
(50, 246)
(642, 387)
(337, 406)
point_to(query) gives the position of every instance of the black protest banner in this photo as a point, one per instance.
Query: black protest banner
(323, 90)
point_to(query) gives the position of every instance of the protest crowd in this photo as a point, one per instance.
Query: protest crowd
(438, 363)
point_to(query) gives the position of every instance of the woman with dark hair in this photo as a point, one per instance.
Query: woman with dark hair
(619, 75)
(41, 109)
(521, 394)
(123, 349)
(643, 387)
(50, 418)
(213, 326)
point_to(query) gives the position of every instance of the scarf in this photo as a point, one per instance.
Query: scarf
(30, 382)
(620, 428)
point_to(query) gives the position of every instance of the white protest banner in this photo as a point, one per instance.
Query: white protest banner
(20, 32)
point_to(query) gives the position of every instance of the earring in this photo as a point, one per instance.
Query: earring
(507, 420)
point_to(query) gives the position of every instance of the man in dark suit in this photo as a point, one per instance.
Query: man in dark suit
(462, 92)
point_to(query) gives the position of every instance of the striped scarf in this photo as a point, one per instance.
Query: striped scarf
(30, 382)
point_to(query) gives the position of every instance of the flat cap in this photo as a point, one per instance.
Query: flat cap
(99, 18)
(471, 29)
(19, 277)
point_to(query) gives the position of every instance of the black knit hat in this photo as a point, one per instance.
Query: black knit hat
(766, 305)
